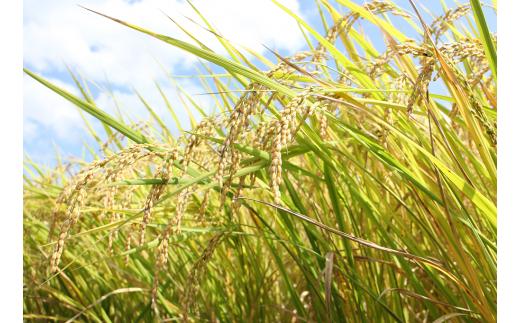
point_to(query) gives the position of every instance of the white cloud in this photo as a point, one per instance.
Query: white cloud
(58, 32)
(254, 23)
(46, 113)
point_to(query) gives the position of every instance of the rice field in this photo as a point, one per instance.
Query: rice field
(338, 184)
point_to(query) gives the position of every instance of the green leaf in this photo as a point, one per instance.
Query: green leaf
(94, 111)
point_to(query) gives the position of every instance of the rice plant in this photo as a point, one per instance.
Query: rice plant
(333, 185)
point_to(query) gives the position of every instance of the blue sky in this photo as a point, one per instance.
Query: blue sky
(58, 33)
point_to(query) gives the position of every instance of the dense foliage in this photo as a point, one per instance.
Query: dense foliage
(336, 185)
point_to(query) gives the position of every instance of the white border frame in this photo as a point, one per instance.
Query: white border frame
(11, 277)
